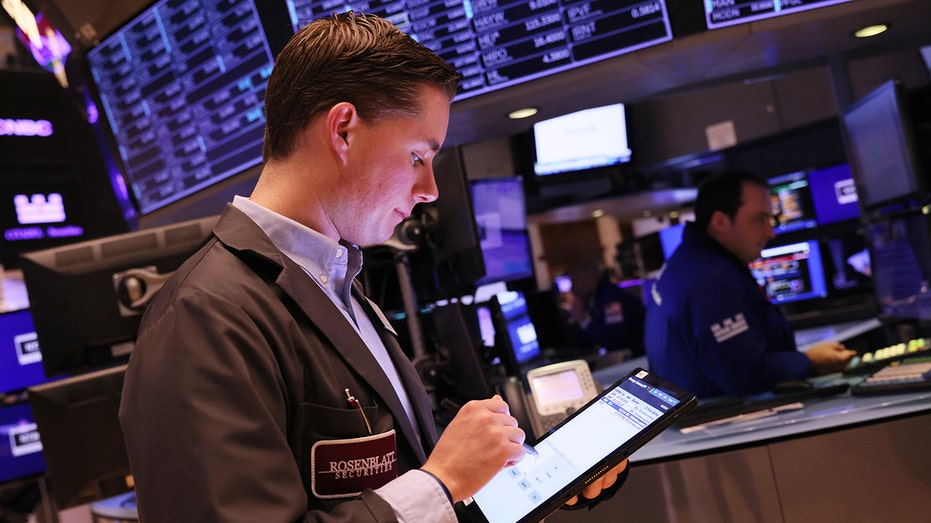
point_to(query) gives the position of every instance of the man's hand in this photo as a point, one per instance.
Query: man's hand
(604, 481)
(482, 439)
(829, 357)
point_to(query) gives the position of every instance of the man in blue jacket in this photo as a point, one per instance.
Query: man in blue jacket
(709, 326)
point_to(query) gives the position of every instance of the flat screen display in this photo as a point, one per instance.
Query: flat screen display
(834, 194)
(182, 86)
(514, 324)
(498, 43)
(20, 446)
(586, 139)
(722, 13)
(791, 272)
(790, 195)
(20, 357)
(881, 148)
(501, 220)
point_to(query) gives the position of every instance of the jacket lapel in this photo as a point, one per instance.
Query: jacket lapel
(239, 232)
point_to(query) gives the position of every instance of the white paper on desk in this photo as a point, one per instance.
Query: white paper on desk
(750, 416)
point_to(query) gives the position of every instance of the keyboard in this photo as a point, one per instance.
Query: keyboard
(911, 374)
(871, 361)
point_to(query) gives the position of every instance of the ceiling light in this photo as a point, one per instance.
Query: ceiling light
(526, 112)
(871, 30)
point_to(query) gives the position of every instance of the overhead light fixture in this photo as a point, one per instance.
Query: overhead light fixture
(526, 112)
(871, 30)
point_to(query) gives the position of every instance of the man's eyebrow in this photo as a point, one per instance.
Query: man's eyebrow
(434, 145)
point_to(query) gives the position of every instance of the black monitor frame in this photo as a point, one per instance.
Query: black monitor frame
(108, 282)
(85, 454)
(891, 100)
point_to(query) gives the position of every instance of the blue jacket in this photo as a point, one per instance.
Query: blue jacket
(711, 330)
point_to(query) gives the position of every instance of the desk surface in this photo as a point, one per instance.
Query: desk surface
(836, 412)
(830, 413)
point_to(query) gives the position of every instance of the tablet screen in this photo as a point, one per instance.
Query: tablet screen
(618, 417)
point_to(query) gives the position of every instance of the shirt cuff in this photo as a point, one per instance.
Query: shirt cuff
(417, 496)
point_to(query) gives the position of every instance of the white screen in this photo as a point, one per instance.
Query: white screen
(589, 138)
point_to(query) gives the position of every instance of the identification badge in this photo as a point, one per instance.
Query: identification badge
(343, 468)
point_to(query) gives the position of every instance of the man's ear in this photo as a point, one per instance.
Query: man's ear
(341, 122)
(719, 223)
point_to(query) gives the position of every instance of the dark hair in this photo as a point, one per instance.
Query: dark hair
(722, 192)
(349, 57)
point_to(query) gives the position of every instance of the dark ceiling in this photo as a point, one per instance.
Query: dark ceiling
(701, 58)
(731, 54)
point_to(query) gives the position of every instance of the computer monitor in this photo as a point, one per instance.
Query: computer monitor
(791, 199)
(901, 262)
(21, 454)
(466, 373)
(87, 298)
(586, 139)
(501, 218)
(182, 88)
(515, 334)
(82, 441)
(882, 151)
(792, 272)
(834, 194)
(455, 259)
(20, 357)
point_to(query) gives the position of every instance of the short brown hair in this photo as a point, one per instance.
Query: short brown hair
(349, 57)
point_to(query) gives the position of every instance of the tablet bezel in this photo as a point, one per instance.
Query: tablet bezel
(687, 401)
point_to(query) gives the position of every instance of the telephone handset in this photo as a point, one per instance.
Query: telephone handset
(556, 391)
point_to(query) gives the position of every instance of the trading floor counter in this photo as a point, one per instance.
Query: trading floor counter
(842, 458)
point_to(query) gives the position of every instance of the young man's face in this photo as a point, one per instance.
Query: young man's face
(751, 229)
(391, 170)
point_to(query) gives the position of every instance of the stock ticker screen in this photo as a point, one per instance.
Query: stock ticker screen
(183, 87)
(498, 43)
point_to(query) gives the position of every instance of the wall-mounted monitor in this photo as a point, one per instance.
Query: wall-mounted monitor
(791, 272)
(496, 44)
(722, 13)
(834, 194)
(501, 219)
(54, 188)
(882, 151)
(182, 86)
(790, 195)
(582, 140)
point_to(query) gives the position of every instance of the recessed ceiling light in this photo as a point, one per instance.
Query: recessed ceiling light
(526, 112)
(871, 30)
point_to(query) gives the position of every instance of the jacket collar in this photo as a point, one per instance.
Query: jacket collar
(244, 238)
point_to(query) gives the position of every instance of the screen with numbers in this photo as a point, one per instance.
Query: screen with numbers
(722, 13)
(182, 86)
(499, 43)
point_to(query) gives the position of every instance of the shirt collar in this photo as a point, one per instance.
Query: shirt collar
(333, 265)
